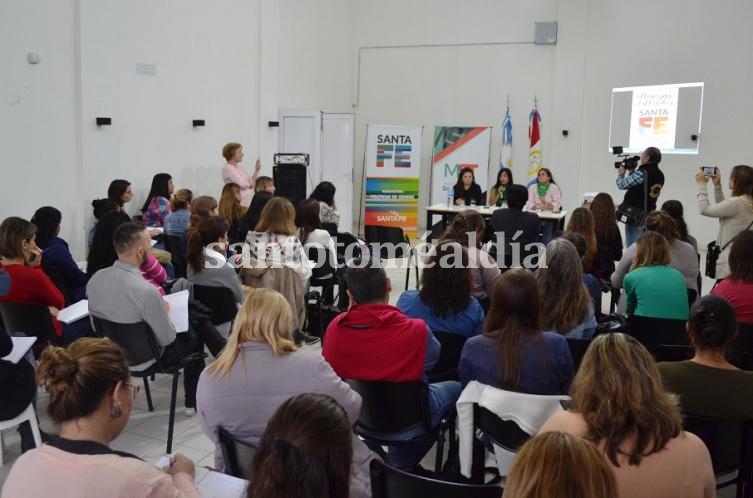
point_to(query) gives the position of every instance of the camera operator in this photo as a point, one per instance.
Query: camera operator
(635, 197)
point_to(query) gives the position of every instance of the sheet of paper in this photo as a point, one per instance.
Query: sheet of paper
(215, 484)
(74, 312)
(20, 346)
(178, 310)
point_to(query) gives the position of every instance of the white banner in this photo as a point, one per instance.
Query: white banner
(653, 117)
(456, 148)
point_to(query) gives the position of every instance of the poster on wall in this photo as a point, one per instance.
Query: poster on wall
(456, 148)
(653, 117)
(392, 168)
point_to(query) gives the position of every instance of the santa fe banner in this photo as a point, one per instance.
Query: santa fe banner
(392, 164)
(653, 117)
(456, 148)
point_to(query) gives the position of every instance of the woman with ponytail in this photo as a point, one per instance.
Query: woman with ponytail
(205, 256)
(305, 451)
(708, 384)
(91, 397)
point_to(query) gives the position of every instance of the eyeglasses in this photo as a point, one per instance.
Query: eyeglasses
(135, 389)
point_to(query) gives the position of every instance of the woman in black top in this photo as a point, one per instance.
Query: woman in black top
(466, 190)
(608, 237)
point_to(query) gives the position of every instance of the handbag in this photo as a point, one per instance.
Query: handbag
(631, 215)
(713, 251)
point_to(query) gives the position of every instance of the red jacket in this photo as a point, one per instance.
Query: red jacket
(32, 285)
(376, 342)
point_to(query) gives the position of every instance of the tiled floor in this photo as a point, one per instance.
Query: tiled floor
(146, 432)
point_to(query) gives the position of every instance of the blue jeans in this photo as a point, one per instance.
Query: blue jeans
(442, 398)
(632, 234)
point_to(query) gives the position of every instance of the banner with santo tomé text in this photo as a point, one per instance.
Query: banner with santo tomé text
(392, 165)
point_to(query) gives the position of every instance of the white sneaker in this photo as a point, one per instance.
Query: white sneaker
(189, 412)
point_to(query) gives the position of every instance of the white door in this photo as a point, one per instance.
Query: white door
(338, 141)
(301, 131)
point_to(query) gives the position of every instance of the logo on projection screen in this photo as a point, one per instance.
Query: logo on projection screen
(653, 117)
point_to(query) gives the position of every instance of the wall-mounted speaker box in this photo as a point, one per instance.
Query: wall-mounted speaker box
(198, 122)
(273, 124)
(104, 121)
(290, 182)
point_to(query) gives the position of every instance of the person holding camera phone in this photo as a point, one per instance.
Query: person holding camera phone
(735, 214)
(643, 185)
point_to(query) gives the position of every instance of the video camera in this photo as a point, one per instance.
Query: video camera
(628, 161)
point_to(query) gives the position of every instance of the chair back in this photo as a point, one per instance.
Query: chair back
(236, 454)
(31, 319)
(388, 482)
(219, 300)
(741, 359)
(331, 228)
(503, 433)
(652, 332)
(724, 440)
(390, 407)
(744, 339)
(446, 367)
(175, 248)
(323, 271)
(56, 275)
(578, 348)
(391, 241)
(137, 339)
(669, 352)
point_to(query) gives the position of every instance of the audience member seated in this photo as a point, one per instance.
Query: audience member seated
(119, 193)
(101, 252)
(444, 302)
(205, 256)
(203, 207)
(120, 294)
(675, 210)
(179, 219)
(261, 368)
(157, 204)
(737, 288)
(22, 260)
(566, 306)
(582, 222)
(467, 229)
(653, 288)
(593, 286)
(17, 386)
(91, 398)
(264, 184)
(56, 257)
(375, 341)
(618, 403)
(305, 451)
(682, 255)
(251, 218)
(708, 384)
(538, 469)
(231, 209)
(325, 194)
(517, 229)
(513, 353)
(498, 192)
(274, 243)
(466, 191)
(608, 238)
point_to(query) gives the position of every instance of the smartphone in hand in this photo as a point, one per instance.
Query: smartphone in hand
(709, 170)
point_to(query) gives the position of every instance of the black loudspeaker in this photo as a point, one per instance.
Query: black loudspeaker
(290, 182)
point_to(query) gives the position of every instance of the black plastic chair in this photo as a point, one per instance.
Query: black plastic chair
(744, 339)
(175, 248)
(388, 482)
(578, 348)
(331, 228)
(386, 238)
(731, 449)
(323, 274)
(392, 407)
(219, 300)
(495, 432)
(236, 454)
(32, 319)
(446, 367)
(56, 275)
(665, 352)
(653, 332)
(143, 353)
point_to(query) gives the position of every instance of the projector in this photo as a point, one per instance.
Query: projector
(291, 158)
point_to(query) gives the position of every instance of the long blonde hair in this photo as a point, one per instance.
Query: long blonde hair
(619, 393)
(562, 465)
(265, 316)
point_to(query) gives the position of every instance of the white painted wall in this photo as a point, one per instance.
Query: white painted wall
(235, 63)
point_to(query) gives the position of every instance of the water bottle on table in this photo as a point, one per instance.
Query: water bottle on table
(450, 198)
